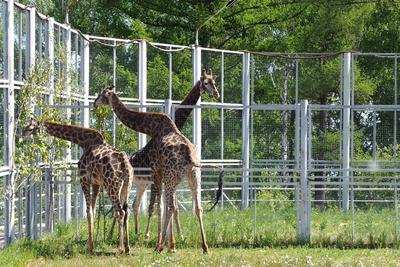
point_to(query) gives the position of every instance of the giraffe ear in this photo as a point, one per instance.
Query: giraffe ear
(119, 93)
(215, 77)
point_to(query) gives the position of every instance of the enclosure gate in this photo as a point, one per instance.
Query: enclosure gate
(29, 37)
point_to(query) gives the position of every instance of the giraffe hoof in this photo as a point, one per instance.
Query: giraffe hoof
(121, 251)
(147, 236)
(159, 248)
(128, 251)
(205, 249)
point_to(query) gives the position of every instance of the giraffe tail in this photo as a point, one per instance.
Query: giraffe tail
(220, 184)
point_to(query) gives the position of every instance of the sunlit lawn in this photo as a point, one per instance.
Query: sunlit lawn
(234, 239)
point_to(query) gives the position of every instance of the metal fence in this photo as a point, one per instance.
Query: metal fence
(263, 131)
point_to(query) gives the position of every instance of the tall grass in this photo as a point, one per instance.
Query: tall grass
(227, 228)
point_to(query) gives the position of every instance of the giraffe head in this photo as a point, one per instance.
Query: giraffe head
(208, 84)
(104, 98)
(33, 128)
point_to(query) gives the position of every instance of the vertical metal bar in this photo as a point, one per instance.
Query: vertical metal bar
(40, 205)
(374, 135)
(170, 74)
(353, 234)
(346, 128)
(395, 111)
(197, 111)
(396, 210)
(297, 82)
(67, 151)
(245, 129)
(222, 101)
(19, 45)
(76, 210)
(297, 136)
(40, 42)
(143, 100)
(114, 122)
(305, 212)
(31, 61)
(9, 124)
(49, 215)
(85, 58)
(298, 213)
(20, 205)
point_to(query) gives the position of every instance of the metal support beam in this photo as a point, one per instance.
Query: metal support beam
(9, 102)
(346, 128)
(245, 129)
(31, 226)
(85, 58)
(67, 151)
(305, 200)
(143, 100)
(197, 111)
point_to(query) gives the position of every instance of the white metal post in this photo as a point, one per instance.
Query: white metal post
(143, 100)
(30, 63)
(346, 129)
(305, 215)
(50, 56)
(67, 151)
(197, 111)
(245, 129)
(85, 57)
(9, 124)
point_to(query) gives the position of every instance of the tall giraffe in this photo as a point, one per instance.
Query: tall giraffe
(142, 158)
(174, 158)
(100, 165)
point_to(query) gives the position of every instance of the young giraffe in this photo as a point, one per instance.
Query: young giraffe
(100, 165)
(142, 158)
(174, 158)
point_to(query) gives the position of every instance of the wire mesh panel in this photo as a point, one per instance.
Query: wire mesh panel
(375, 79)
(3, 45)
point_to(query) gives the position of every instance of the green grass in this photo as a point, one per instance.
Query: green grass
(232, 240)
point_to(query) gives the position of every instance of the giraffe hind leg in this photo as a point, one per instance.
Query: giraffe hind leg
(114, 194)
(89, 213)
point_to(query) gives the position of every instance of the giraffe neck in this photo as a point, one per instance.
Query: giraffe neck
(150, 123)
(182, 114)
(84, 137)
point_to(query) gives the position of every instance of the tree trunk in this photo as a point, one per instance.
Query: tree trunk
(319, 194)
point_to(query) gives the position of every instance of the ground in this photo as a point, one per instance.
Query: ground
(235, 239)
(236, 257)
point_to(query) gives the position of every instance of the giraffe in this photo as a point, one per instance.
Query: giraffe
(142, 158)
(100, 165)
(173, 158)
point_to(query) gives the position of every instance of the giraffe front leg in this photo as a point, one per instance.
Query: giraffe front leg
(194, 184)
(177, 222)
